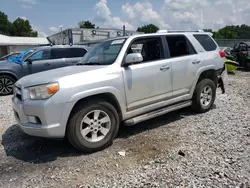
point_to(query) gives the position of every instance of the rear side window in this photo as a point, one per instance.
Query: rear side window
(179, 46)
(58, 53)
(206, 41)
(77, 52)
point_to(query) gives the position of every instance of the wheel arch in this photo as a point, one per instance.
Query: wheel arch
(209, 73)
(9, 74)
(107, 96)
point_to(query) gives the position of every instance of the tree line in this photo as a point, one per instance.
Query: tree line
(21, 27)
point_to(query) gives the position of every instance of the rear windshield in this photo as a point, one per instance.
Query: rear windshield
(206, 41)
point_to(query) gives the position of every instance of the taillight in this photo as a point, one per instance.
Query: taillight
(222, 54)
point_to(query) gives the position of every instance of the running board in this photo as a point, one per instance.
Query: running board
(159, 112)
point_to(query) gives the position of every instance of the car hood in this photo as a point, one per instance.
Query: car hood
(59, 74)
(7, 64)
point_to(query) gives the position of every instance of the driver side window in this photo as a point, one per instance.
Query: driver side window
(40, 55)
(150, 48)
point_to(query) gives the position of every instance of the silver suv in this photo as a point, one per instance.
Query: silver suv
(126, 79)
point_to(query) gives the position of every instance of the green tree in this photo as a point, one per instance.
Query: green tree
(5, 25)
(233, 32)
(151, 28)
(23, 28)
(86, 24)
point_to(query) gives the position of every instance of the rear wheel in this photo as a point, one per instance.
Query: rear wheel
(93, 126)
(204, 96)
(6, 85)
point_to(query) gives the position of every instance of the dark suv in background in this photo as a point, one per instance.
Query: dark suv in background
(37, 60)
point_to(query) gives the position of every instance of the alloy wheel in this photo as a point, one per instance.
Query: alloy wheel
(6, 86)
(206, 96)
(95, 126)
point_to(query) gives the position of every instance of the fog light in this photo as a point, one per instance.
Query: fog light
(33, 119)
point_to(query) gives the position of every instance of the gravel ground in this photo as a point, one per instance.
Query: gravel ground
(180, 149)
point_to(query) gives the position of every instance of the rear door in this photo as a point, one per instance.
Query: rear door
(74, 55)
(58, 56)
(185, 63)
(150, 81)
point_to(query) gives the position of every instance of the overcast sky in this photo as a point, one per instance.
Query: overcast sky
(47, 15)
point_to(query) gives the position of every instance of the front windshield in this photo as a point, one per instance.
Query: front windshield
(26, 54)
(104, 53)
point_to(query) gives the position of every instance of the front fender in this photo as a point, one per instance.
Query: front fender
(10, 73)
(102, 90)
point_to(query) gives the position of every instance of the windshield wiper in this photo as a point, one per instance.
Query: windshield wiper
(89, 63)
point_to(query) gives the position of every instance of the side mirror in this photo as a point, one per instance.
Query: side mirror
(133, 58)
(29, 61)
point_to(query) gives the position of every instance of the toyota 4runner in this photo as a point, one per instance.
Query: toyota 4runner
(125, 79)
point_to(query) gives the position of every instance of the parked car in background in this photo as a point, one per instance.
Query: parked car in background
(127, 79)
(11, 55)
(37, 60)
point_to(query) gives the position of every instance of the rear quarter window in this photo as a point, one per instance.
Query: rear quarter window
(77, 52)
(206, 41)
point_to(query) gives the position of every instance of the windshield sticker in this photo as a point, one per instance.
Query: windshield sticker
(118, 41)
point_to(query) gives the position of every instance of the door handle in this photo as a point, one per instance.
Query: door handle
(46, 64)
(196, 62)
(165, 68)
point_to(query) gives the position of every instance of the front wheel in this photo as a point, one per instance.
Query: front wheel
(93, 126)
(204, 96)
(6, 85)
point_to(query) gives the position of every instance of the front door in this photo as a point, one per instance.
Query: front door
(38, 62)
(150, 81)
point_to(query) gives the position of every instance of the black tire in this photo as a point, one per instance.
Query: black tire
(196, 101)
(6, 85)
(73, 128)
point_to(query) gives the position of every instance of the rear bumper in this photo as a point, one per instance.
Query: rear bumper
(223, 80)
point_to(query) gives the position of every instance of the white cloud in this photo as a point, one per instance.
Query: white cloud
(54, 29)
(26, 6)
(28, 1)
(41, 32)
(199, 14)
(143, 13)
(175, 14)
(103, 15)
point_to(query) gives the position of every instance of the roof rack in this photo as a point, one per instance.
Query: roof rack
(178, 31)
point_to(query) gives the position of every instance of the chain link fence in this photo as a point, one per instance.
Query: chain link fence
(230, 42)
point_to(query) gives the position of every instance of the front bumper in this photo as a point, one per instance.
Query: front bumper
(50, 117)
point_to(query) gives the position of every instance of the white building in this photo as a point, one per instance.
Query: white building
(80, 35)
(16, 44)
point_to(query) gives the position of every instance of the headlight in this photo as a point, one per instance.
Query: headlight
(44, 91)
